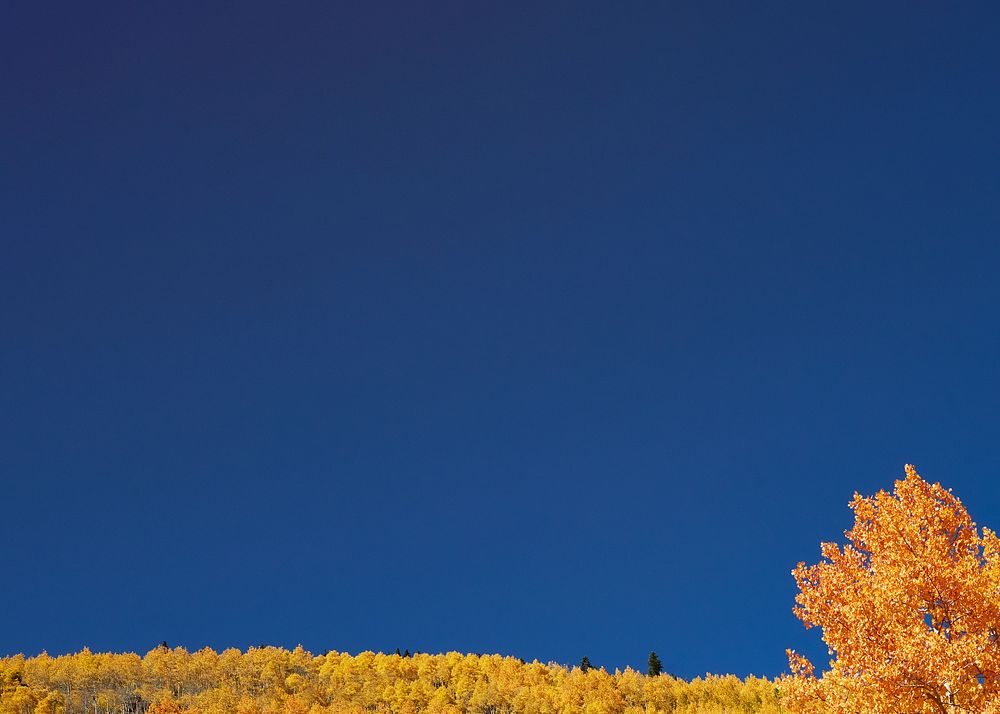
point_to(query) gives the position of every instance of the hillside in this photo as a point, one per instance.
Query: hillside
(273, 680)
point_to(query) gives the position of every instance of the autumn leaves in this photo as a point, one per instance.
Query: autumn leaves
(272, 680)
(908, 606)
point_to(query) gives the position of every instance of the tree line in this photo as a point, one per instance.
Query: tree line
(272, 680)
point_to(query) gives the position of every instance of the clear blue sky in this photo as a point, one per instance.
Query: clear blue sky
(549, 329)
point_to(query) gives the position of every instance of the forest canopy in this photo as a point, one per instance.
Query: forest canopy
(271, 680)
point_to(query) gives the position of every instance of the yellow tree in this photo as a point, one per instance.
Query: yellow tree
(909, 608)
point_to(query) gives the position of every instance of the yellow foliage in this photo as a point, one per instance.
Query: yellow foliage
(271, 680)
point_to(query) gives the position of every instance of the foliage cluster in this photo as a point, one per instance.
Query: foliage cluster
(909, 607)
(272, 680)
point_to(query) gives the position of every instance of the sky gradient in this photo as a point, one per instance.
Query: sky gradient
(547, 329)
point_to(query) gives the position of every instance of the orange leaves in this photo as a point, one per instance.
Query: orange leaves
(908, 605)
(800, 666)
(167, 706)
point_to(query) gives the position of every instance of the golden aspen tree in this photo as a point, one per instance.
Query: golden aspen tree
(909, 607)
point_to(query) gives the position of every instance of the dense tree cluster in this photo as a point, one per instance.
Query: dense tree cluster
(272, 680)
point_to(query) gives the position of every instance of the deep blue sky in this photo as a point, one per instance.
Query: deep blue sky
(547, 329)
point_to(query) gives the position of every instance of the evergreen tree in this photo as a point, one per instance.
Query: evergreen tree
(655, 665)
(585, 664)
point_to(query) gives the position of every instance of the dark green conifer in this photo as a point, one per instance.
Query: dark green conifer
(655, 665)
(585, 664)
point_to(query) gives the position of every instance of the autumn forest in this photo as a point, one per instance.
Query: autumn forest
(272, 680)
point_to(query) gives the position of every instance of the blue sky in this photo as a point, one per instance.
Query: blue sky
(551, 329)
